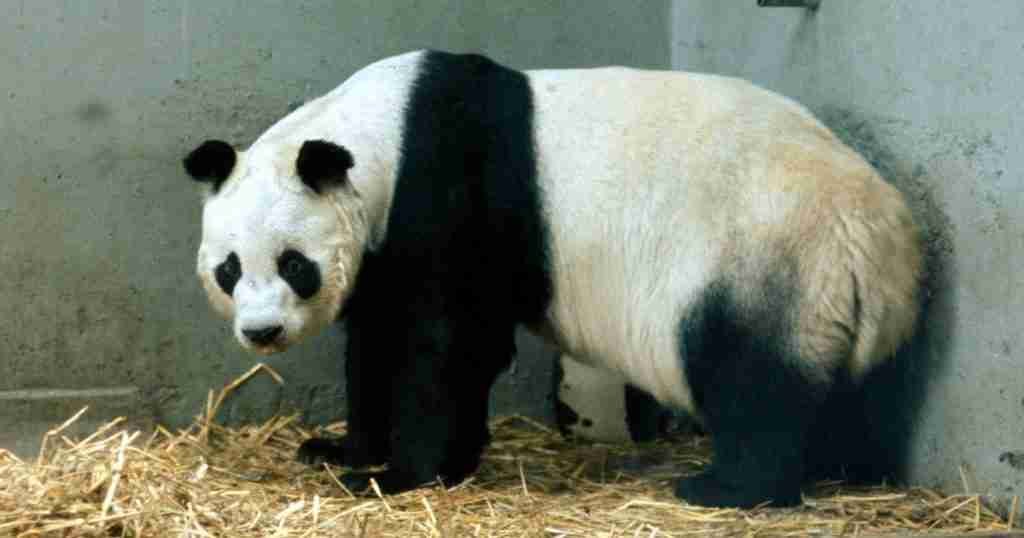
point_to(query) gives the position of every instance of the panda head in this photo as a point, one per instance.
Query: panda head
(283, 236)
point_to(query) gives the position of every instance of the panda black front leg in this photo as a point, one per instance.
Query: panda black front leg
(422, 431)
(440, 403)
(368, 387)
(423, 407)
(483, 354)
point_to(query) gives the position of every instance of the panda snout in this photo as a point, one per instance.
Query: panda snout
(263, 336)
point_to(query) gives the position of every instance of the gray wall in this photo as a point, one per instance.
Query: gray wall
(930, 91)
(98, 225)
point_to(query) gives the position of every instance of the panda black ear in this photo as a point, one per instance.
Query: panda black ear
(211, 162)
(323, 164)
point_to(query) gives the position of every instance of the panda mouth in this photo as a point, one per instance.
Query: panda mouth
(269, 349)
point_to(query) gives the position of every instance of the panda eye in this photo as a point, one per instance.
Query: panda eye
(301, 273)
(228, 272)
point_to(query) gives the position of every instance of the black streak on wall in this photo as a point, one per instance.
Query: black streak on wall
(880, 437)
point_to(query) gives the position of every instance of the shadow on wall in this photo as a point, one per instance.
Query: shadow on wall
(877, 430)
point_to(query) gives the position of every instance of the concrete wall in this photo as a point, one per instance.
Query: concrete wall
(98, 224)
(930, 91)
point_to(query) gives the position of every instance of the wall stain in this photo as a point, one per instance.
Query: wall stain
(93, 112)
(899, 386)
(1013, 459)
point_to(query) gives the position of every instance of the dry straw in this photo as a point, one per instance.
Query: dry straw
(208, 480)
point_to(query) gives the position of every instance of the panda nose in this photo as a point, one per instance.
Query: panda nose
(264, 336)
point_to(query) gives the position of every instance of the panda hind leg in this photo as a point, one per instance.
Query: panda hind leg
(757, 404)
(759, 441)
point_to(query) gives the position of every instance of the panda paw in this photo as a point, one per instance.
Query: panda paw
(707, 489)
(320, 450)
(388, 482)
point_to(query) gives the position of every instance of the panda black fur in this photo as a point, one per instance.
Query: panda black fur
(708, 241)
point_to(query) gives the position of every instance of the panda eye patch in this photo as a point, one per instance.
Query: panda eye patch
(291, 268)
(228, 272)
(301, 273)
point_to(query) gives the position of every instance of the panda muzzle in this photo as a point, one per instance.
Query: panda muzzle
(263, 336)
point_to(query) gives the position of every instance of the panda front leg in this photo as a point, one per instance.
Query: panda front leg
(422, 423)
(367, 385)
(440, 404)
(473, 377)
(758, 405)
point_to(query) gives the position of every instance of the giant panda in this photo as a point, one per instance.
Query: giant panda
(706, 241)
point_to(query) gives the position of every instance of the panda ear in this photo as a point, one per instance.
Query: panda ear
(211, 162)
(322, 164)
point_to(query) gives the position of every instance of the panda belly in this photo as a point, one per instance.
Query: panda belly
(620, 290)
(632, 243)
(603, 324)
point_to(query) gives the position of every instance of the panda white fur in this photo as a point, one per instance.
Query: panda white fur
(707, 241)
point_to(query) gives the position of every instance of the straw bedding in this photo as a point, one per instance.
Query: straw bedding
(208, 480)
